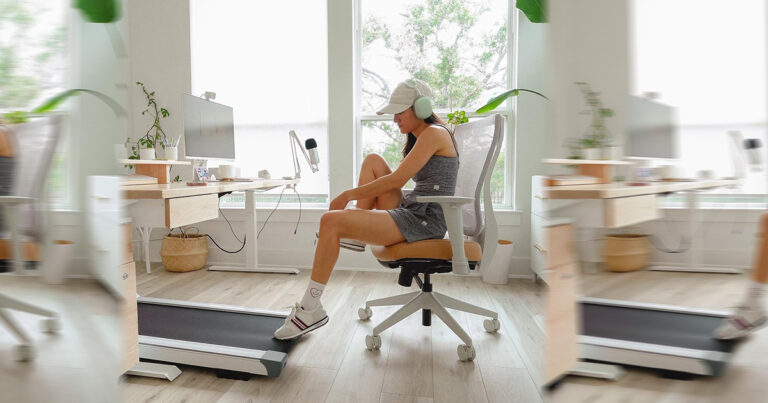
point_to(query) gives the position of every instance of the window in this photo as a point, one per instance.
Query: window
(463, 49)
(33, 67)
(713, 72)
(268, 60)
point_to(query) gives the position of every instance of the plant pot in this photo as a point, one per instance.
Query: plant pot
(497, 272)
(626, 252)
(182, 253)
(592, 154)
(147, 153)
(171, 153)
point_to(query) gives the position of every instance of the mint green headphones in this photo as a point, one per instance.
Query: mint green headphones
(422, 105)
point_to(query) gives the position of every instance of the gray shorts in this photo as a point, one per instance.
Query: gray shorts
(418, 221)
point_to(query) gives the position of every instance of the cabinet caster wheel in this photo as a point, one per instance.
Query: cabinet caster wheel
(24, 352)
(364, 313)
(491, 325)
(372, 342)
(466, 353)
(51, 325)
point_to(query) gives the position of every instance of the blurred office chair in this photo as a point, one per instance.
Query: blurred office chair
(472, 239)
(30, 148)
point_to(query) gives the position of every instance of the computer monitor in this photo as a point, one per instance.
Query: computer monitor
(208, 129)
(651, 129)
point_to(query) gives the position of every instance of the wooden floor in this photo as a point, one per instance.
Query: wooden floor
(76, 365)
(746, 380)
(415, 363)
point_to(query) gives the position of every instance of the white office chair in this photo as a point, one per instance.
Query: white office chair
(30, 149)
(472, 239)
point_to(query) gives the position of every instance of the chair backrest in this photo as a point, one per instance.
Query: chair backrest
(479, 144)
(35, 144)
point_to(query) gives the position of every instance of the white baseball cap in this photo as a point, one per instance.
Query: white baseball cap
(403, 96)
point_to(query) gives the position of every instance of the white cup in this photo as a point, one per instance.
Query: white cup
(171, 153)
(226, 171)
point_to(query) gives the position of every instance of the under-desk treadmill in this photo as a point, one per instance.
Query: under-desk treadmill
(234, 340)
(669, 338)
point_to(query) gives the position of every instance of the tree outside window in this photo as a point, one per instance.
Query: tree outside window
(459, 47)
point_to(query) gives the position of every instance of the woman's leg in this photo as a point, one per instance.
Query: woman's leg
(750, 315)
(374, 167)
(354, 224)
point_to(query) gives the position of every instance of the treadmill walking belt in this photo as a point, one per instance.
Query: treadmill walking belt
(693, 331)
(212, 327)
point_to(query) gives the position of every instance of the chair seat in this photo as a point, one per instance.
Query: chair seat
(426, 249)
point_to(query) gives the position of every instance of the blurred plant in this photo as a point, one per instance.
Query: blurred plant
(457, 117)
(535, 10)
(596, 135)
(157, 113)
(494, 102)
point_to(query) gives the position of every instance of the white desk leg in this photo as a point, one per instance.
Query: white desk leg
(692, 260)
(12, 218)
(145, 233)
(251, 246)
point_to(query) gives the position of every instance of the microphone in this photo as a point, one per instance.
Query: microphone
(314, 158)
(753, 153)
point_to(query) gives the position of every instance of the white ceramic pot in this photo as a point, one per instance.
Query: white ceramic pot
(592, 154)
(147, 153)
(226, 171)
(171, 153)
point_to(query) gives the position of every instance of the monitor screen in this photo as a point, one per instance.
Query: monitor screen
(651, 129)
(208, 129)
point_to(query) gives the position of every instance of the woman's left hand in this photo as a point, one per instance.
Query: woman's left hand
(340, 202)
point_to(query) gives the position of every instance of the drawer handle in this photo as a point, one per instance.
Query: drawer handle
(125, 276)
(100, 197)
(539, 248)
(541, 197)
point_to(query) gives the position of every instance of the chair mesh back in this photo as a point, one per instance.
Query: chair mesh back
(35, 144)
(477, 144)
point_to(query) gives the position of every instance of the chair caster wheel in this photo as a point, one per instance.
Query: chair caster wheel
(466, 353)
(364, 313)
(24, 352)
(51, 325)
(372, 342)
(491, 325)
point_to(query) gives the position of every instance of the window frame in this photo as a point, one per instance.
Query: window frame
(508, 112)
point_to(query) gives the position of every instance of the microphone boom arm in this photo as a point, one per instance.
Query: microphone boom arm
(294, 140)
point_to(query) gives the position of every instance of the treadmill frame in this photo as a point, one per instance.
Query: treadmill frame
(258, 362)
(678, 359)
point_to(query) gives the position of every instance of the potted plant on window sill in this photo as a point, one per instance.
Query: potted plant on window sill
(146, 143)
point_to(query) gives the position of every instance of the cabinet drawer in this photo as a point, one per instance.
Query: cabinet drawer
(623, 211)
(126, 243)
(559, 241)
(190, 210)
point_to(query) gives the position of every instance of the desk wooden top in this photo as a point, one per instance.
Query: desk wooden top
(172, 190)
(621, 189)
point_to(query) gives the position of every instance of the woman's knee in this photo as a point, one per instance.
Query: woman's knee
(376, 162)
(329, 221)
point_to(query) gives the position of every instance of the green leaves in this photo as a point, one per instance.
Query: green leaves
(164, 112)
(458, 117)
(535, 10)
(100, 11)
(494, 102)
(15, 117)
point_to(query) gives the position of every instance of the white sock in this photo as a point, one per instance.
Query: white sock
(311, 299)
(754, 297)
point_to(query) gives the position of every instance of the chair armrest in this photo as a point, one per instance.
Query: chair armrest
(452, 212)
(15, 200)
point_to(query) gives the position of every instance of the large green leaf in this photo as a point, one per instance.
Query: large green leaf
(101, 11)
(57, 99)
(535, 10)
(494, 102)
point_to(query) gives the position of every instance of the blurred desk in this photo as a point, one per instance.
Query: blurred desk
(176, 204)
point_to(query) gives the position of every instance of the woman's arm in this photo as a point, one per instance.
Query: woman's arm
(428, 143)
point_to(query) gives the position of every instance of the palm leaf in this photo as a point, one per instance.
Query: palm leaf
(57, 99)
(494, 102)
(535, 10)
(100, 11)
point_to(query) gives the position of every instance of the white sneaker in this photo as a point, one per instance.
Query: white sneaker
(740, 323)
(300, 321)
(345, 243)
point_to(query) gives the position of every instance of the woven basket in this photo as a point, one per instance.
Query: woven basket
(183, 253)
(626, 252)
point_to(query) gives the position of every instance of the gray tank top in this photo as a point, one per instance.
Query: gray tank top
(437, 177)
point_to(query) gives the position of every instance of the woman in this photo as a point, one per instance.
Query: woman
(383, 216)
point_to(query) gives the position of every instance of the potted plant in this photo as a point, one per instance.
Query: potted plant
(595, 141)
(149, 140)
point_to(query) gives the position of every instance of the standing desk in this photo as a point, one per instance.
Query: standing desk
(607, 330)
(176, 204)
